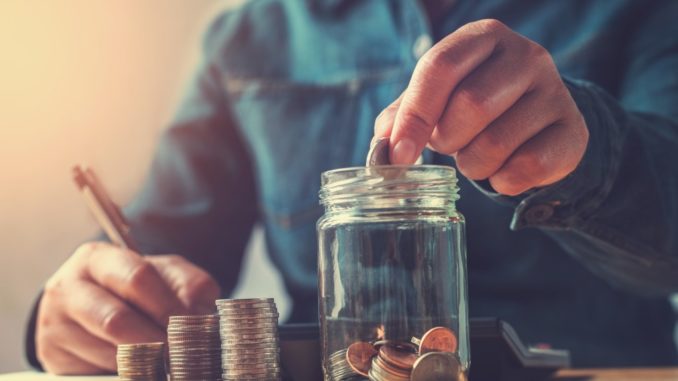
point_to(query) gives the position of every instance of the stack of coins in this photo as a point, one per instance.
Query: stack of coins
(340, 370)
(393, 363)
(141, 362)
(194, 348)
(249, 339)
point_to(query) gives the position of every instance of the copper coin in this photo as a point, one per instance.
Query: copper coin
(398, 357)
(378, 153)
(436, 366)
(438, 339)
(359, 357)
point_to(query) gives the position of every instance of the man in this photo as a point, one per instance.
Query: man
(563, 115)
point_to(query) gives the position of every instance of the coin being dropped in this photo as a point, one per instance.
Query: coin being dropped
(359, 357)
(436, 366)
(378, 153)
(438, 339)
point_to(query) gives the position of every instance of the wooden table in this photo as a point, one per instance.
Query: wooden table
(668, 374)
(659, 374)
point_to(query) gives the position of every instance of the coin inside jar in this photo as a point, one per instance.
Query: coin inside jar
(438, 339)
(400, 357)
(436, 366)
(359, 357)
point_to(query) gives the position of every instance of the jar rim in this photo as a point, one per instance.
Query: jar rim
(398, 184)
(327, 176)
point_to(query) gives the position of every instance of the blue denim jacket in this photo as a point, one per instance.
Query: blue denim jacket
(291, 88)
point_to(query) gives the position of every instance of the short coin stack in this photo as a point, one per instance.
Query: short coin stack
(339, 368)
(194, 348)
(249, 339)
(141, 362)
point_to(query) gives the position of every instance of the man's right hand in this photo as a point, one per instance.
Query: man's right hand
(104, 296)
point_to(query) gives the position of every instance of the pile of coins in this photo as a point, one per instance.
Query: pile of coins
(194, 348)
(249, 339)
(339, 368)
(141, 362)
(431, 358)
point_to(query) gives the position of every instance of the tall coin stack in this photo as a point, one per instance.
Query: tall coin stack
(141, 362)
(194, 348)
(249, 339)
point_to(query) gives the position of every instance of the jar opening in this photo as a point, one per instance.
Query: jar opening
(390, 187)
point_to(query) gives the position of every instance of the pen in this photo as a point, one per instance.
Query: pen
(106, 212)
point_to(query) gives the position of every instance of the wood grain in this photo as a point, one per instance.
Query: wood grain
(659, 374)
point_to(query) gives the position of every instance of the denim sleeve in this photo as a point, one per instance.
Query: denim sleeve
(199, 197)
(617, 213)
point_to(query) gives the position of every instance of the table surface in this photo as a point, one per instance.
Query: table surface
(665, 374)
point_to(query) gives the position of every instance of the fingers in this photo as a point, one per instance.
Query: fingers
(82, 344)
(543, 160)
(196, 288)
(436, 75)
(482, 97)
(490, 149)
(383, 125)
(107, 317)
(56, 360)
(134, 279)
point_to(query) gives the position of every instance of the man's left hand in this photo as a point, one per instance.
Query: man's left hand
(495, 101)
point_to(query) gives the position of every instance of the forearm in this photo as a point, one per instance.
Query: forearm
(617, 212)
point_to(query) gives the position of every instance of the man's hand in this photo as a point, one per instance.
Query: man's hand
(104, 296)
(494, 100)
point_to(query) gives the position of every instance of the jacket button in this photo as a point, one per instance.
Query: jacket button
(539, 213)
(421, 45)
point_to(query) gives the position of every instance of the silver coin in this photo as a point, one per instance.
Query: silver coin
(221, 303)
(436, 366)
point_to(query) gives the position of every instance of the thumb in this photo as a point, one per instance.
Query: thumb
(195, 287)
(383, 125)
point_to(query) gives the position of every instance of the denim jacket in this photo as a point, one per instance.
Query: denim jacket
(290, 88)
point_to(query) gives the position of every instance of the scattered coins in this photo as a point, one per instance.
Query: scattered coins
(194, 348)
(431, 358)
(249, 339)
(144, 361)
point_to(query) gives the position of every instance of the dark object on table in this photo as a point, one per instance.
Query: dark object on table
(497, 354)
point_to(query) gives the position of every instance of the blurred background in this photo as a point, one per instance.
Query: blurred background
(89, 82)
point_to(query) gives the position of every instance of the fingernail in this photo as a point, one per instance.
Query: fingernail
(404, 152)
(380, 128)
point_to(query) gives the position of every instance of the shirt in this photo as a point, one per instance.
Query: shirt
(291, 88)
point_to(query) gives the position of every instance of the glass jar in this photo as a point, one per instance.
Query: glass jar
(391, 264)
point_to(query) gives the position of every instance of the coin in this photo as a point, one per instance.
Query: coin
(383, 371)
(398, 356)
(436, 366)
(378, 153)
(438, 339)
(359, 356)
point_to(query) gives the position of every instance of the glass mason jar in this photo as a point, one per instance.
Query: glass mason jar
(391, 263)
